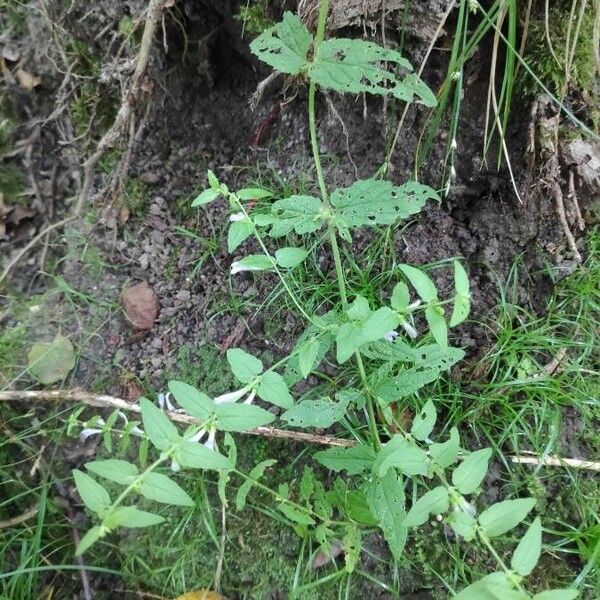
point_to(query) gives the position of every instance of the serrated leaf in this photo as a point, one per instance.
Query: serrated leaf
(435, 501)
(295, 515)
(238, 232)
(159, 487)
(94, 496)
(131, 516)
(157, 425)
(244, 366)
(307, 356)
(205, 197)
(527, 553)
(255, 474)
(562, 594)
(285, 45)
(273, 389)
(241, 417)
(463, 524)
(296, 213)
(120, 471)
(462, 299)
(316, 413)
(50, 362)
(422, 283)
(197, 456)
(193, 401)
(352, 544)
(402, 455)
(253, 193)
(356, 66)
(377, 202)
(353, 460)
(385, 498)
(503, 516)
(400, 297)
(424, 422)
(470, 473)
(445, 453)
(290, 257)
(91, 537)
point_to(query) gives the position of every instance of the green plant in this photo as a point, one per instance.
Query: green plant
(387, 462)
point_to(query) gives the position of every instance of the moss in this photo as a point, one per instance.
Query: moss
(254, 16)
(134, 196)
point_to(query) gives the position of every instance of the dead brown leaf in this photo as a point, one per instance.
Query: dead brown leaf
(140, 304)
(27, 80)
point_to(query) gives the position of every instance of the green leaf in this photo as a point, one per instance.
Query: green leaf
(91, 537)
(241, 417)
(316, 413)
(253, 194)
(156, 486)
(273, 389)
(157, 425)
(400, 297)
(424, 422)
(353, 460)
(563, 594)
(495, 586)
(422, 283)
(120, 471)
(359, 310)
(352, 545)
(385, 498)
(193, 401)
(301, 214)
(356, 66)
(213, 181)
(244, 366)
(255, 474)
(238, 232)
(503, 516)
(433, 502)
(295, 515)
(463, 524)
(197, 456)
(377, 202)
(307, 356)
(130, 516)
(437, 324)
(391, 389)
(290, 257)
(94, 496)
(347, 341)
(470, 473)
(50, 362)
(401, 454)
(252, 262)
(382, 321)
(205, 197)
(527, 553)
(445, 453)
(462, 299)
(285, 45)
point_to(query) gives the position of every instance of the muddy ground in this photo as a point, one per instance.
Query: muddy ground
(196, 115)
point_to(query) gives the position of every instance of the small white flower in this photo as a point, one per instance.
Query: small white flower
(231, 396)
(175, 467)
(239, 216)
(453, 144)
(210, 442)
(414, 305)
(238, 267)
(85, 433)
(198, 435)
(410, 330)
(135, 430)
(390, 336)
(250, 397)
(165, 400)
(452, 173)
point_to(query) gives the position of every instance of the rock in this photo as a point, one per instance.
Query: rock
(140, 305)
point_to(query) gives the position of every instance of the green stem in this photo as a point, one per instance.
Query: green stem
(484, 538)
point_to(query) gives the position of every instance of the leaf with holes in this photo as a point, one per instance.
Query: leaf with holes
(316, 413)
(378, 202)
(296, 213)
(356, 66)
(352, 543)
(353, 460)
(285, 45)
(424, 422)
(407, 382)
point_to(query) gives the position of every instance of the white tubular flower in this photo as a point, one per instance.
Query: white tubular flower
(410, 330)
(85, 433)
(239, 216)
(198, 435)
(390, 336)
(175, 467)
(238, 267)
(414, 305)
(452, 173)
(250, 397)
(453, 144)
(210, 442)
(164, 400)
(134, 430)
(231, 396)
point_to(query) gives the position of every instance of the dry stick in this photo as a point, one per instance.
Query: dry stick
(28, 514)
(104, 401)
(120, 123)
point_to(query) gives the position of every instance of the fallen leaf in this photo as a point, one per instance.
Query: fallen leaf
(51, 361)
(140, 305)
(27, 80)
(201, 595)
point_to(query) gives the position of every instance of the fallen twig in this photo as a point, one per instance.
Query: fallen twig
(28, 514)
(105, 401)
